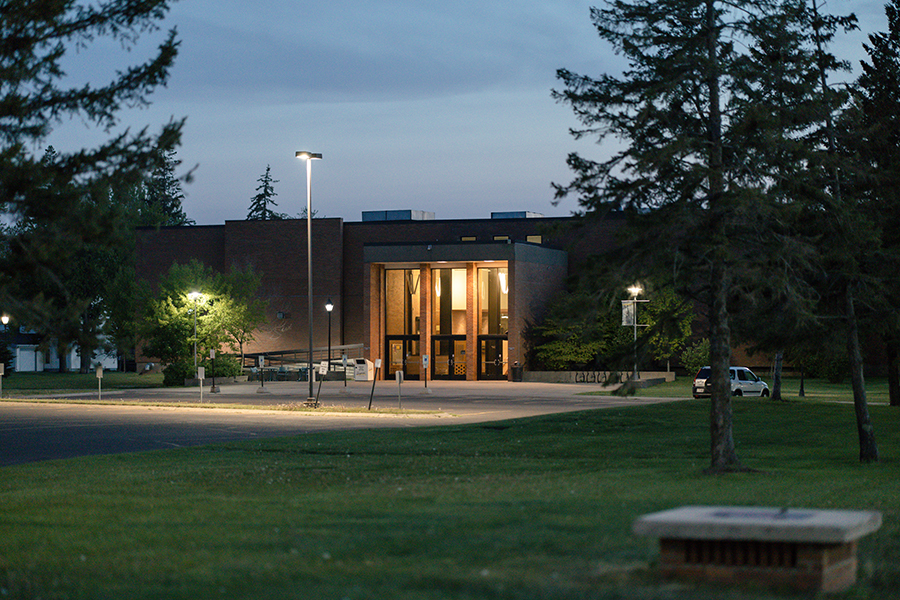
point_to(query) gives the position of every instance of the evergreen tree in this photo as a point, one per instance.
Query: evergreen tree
(876, 122)
(59, 205)
(687, 172)
(260, 203)
(162, 195)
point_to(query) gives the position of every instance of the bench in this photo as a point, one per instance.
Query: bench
(797, 548)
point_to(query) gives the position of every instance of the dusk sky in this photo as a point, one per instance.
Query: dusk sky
(442, 107)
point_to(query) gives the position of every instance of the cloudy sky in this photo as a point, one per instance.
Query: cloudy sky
(443, 107)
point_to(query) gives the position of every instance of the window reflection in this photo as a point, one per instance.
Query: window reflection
(493, 301)
(401, 305)
(448, 304)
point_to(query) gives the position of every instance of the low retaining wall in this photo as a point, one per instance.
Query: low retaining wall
(644, 377)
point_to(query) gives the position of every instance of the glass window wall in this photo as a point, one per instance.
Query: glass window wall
(493, 301)
(448, 304)
(401, 294)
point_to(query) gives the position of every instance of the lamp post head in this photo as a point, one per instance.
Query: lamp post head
(4, 319)
(635, 290)
(329, 306)
(195, 296)
(305, 155)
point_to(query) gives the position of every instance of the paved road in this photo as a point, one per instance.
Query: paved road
(32, 432)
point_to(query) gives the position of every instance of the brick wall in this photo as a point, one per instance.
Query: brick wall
(277, 250)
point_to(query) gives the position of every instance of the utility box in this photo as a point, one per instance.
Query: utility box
(363, 370)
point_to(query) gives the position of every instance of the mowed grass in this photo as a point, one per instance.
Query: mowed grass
(816, 390)
(22, 384)
(524, 509)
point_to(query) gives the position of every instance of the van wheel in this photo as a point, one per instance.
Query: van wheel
(765, 393)
(737, 393)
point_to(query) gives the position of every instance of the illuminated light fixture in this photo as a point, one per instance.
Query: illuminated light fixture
(196, 298)
(503, 285)
(635, 290)
(309, 157)
(329, 306)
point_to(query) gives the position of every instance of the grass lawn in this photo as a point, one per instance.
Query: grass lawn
(817, 390)
(524, 509)
(22, 384)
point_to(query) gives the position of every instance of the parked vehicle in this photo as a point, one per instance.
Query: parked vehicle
(744, 382)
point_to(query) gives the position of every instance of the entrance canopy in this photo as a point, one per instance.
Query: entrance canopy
(462, 305)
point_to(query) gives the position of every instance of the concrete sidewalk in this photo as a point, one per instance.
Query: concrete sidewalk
(336, 393)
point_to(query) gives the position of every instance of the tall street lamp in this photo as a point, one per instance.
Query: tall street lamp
(309, 157)
(329, 306)
(5, 320)
(195, 298)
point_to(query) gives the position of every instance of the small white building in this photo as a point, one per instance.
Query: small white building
(29, 358)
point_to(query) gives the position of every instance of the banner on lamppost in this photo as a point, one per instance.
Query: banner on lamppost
(628, 313)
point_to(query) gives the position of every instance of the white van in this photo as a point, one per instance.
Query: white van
(744, 382)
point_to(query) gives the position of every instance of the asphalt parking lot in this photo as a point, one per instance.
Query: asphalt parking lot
(31, 432)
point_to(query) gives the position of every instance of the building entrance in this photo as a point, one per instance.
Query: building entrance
(492, 352)
(449, 352)
(403, 355)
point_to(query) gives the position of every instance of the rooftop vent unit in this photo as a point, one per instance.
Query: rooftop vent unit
(397, 215)
(516, 214)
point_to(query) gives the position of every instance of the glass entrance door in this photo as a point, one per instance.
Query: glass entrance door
(492, 352)
(403, 355)
(449, 352)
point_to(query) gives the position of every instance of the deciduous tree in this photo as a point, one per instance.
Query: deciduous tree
(226, 311)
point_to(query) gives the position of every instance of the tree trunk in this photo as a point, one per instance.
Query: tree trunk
(868, 450)
(893, 356)
(776, 383)
(723, 455)
(802, 393)
(62, 353)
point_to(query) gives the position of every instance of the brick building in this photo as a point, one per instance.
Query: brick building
(403, 284)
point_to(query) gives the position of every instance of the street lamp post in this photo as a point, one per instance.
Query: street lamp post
(635, 291)
(309, 157)
(5, 320)
(195, 297)
(329, 306)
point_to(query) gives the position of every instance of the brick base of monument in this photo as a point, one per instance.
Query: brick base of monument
(797, 565)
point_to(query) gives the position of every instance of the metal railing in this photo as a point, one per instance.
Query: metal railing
(293, 365)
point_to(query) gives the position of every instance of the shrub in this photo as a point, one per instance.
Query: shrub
(696, 357)
(831, 365)
(175, 373)
(226, 366)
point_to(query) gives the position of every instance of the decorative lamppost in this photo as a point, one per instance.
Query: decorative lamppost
(309, 157)
(5, 320)
(195, 298)
(635, 291)
(329, 306)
